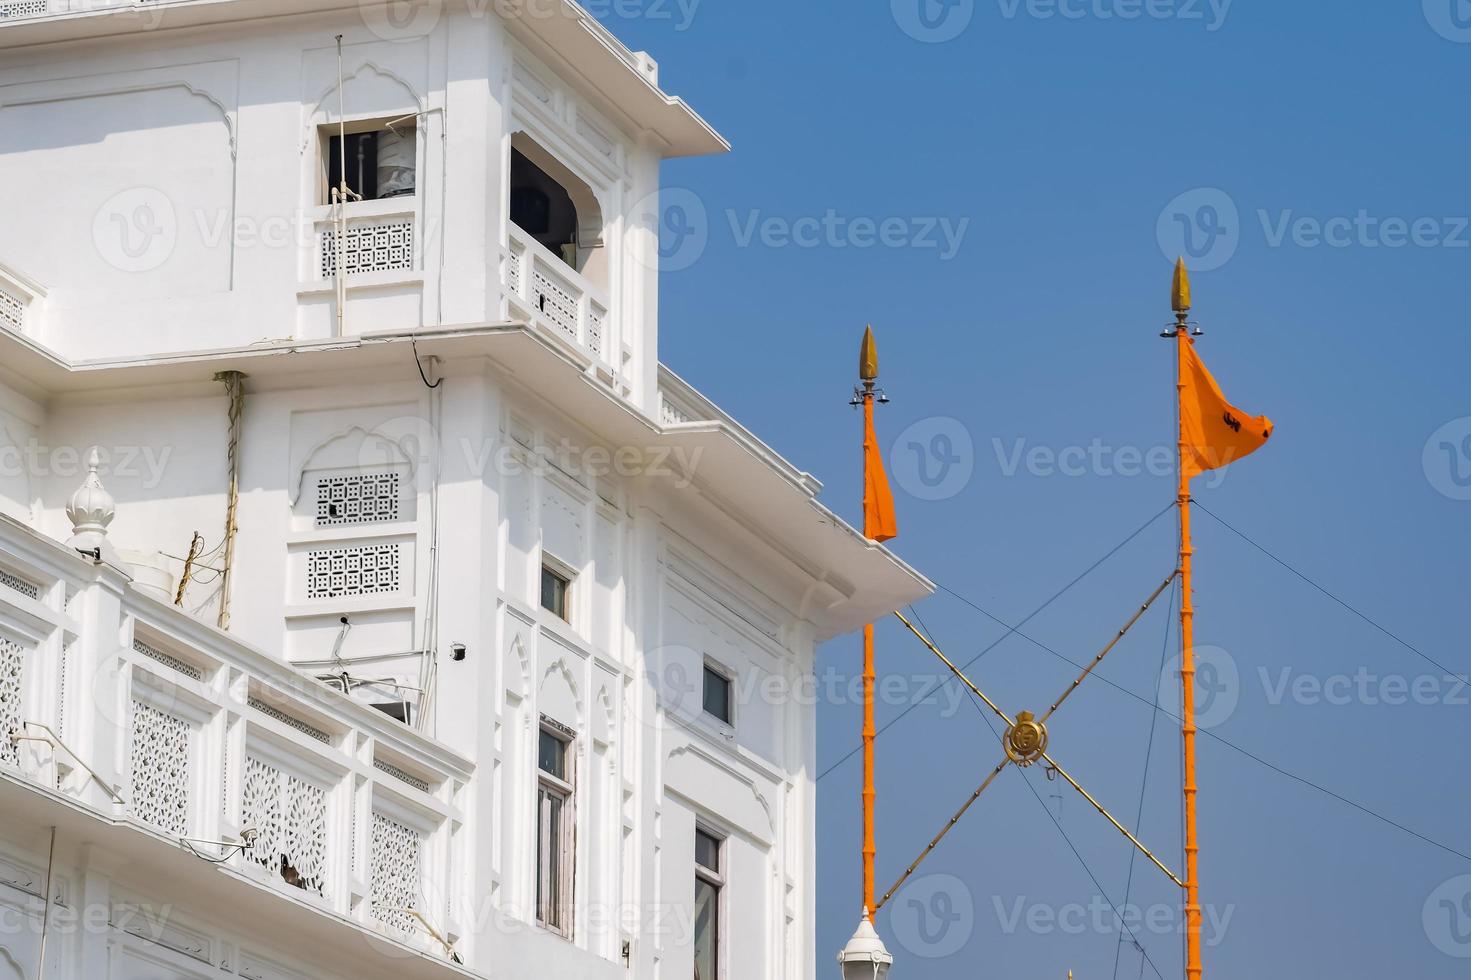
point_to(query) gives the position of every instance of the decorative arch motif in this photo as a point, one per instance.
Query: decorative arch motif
(546, 702)
(226, 116)
(320, 110)
(516, 657)
(737, 778)
(590, 220)
(364, 434)
(604, 728)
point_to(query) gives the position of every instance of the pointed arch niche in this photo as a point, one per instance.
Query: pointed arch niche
(553, 205)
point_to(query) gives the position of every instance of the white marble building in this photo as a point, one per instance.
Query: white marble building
(516, 623)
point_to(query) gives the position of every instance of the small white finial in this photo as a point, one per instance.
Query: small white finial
(91, 509)
(865, 958)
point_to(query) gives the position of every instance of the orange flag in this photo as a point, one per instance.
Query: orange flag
(1213, 430)
(879, 522)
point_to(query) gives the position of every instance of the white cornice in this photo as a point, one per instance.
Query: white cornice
(626, 80)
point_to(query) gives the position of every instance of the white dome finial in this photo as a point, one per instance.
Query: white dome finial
(865, 957)
(91, 509)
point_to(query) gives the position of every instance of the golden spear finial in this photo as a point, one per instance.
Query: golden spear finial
(868, 357)
(1180, 291)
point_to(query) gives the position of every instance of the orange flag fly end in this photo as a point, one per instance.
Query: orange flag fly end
(1213, 431)
(879, 522)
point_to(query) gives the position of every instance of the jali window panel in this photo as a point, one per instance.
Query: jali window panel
(12, 666)
(357, 499)
(360, 570)
(382, 247)
(161, 765)
(397, 861)
(289, 816)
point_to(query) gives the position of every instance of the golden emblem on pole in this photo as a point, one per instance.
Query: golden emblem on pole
(1025, 741)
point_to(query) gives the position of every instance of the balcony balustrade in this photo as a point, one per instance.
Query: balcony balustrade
(117, 703)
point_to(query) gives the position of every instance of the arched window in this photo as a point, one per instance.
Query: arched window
(556, 207)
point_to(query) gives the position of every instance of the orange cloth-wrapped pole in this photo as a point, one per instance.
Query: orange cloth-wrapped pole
(1193, 968)
(879, 524)
(1213, 433)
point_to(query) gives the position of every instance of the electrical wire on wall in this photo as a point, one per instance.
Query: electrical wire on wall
(429, 663)
(234, 389)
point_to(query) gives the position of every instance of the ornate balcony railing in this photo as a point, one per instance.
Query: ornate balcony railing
(555, 296)
(120, 703)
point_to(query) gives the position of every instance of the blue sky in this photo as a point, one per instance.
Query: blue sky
(1310, 159)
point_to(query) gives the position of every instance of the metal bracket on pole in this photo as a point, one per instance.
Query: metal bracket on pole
(1025, 742)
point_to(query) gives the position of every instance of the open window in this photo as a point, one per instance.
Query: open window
(709, 902)
(556, 208)
(555, 855)
(378, 159)
(556, 588)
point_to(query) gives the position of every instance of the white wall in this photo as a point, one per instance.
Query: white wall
(172, 202)
(171, 192)
(649, 761)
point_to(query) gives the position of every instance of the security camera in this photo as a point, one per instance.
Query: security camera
(457, 652)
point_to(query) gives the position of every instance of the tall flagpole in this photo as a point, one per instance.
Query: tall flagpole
(1180, 302)
(868, 370)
